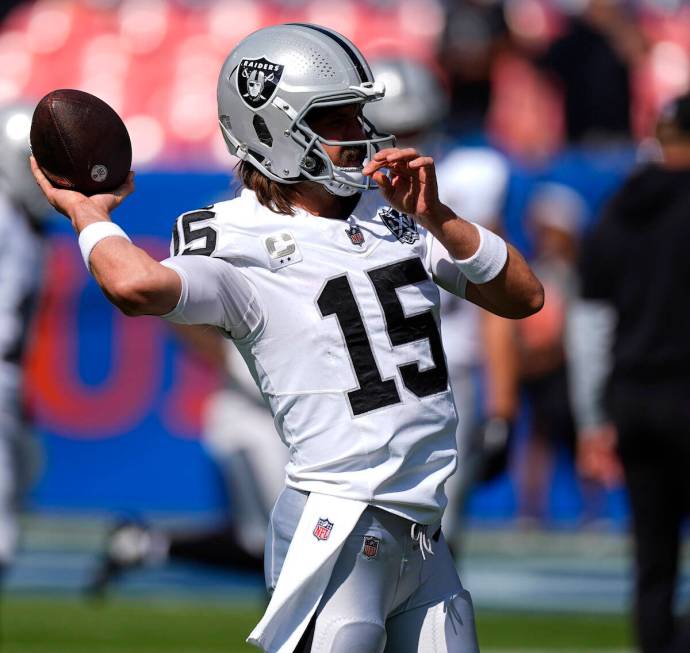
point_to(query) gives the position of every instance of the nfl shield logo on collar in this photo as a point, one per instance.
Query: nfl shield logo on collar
(355, 234)
(323, 529)
(402, 226)
(371, 546)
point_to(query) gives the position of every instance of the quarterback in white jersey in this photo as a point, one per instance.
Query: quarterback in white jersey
(334, 309)
(329, 292)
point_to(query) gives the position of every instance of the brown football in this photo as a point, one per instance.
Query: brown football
(80, 142)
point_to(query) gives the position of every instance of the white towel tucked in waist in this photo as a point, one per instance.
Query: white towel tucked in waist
(322, 530)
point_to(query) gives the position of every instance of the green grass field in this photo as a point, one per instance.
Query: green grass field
(62, 625)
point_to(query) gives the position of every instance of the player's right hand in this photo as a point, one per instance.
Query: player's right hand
(67, 201)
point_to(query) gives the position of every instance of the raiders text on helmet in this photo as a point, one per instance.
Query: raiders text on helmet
(269, 83)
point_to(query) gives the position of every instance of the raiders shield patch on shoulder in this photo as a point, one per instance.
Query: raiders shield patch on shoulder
(402, 226)
(257, 80)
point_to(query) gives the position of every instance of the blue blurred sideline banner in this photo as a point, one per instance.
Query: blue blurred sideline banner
(117, 401)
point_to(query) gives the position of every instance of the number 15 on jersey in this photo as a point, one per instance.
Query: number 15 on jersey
(374, 392)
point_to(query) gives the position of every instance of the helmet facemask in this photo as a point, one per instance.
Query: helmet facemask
(314, 163)
(317, 166)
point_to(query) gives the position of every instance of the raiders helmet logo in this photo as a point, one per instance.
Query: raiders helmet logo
(257, 80)
(402, 226)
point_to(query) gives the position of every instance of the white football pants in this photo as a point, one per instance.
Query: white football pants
(385, 593)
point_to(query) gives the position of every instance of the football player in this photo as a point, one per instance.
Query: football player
(330, 294)
(23, 211)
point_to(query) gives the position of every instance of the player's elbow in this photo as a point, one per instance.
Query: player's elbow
(133, 296)
(523, 302)
(532, 301)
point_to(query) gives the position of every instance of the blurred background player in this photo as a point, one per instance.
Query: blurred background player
(635, 284)
(239, 434)
(555, 216)
(479, 346)
(23, 211)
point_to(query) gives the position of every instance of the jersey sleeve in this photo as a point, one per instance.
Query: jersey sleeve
(444, 271)
(195, 232)
(214, 291)
(217, 293)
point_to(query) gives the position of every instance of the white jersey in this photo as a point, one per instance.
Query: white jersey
(338, 321)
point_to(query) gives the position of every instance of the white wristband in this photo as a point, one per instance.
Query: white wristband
(489, 259)
(94, 233)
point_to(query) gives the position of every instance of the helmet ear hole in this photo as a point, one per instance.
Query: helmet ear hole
(262, 131)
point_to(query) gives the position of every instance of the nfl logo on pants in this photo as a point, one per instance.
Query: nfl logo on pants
(371, 546)
(323, 529)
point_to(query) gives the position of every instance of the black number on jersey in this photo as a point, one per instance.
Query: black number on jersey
(402, 330)
(191, 235)
(337, 299)
(374, 392)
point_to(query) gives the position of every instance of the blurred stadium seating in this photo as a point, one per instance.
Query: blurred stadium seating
(155, 61)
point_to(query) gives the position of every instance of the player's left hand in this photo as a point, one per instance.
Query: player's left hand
(411, 186)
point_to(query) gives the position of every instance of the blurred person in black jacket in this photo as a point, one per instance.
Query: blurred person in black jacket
(591, 63)
(635, 312)
(474, 34)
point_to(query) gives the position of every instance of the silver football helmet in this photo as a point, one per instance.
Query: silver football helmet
(415, 99)
(16, 179)
(270, 82)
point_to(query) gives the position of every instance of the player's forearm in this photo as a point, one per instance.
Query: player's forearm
(82, 213)
(133, 281)
(458, 236)
(514, 293)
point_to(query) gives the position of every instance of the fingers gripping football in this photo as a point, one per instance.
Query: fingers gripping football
(410, 185)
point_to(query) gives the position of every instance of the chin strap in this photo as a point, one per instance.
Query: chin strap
(340, 189)
(343, 180)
